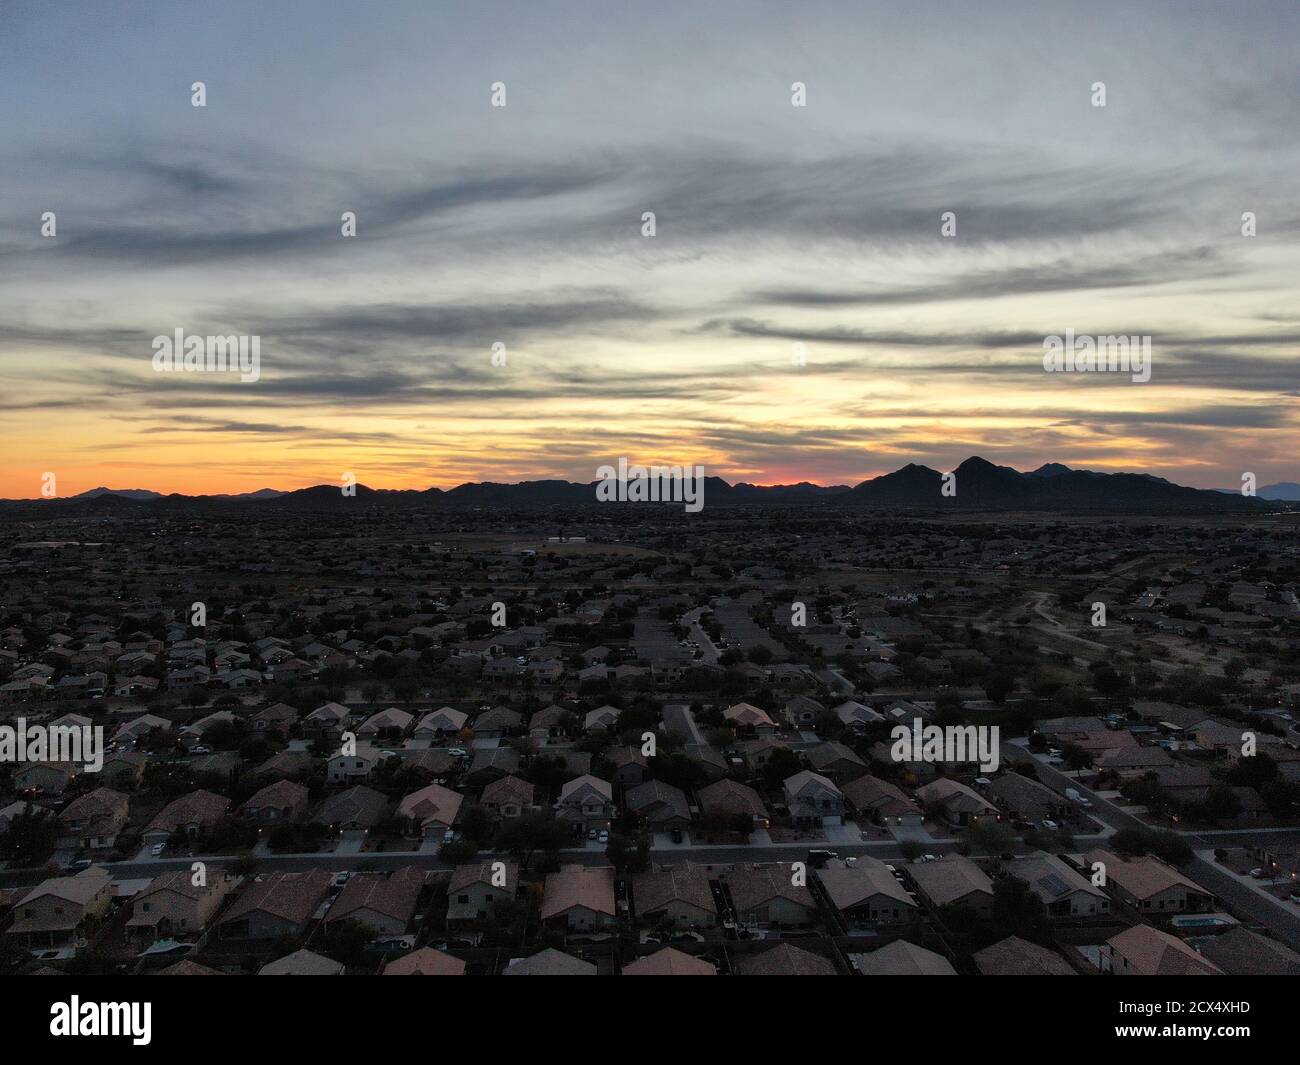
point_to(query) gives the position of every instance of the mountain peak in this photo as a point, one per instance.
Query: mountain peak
(1050, 469)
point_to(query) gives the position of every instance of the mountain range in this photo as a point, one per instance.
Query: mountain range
(980, 485)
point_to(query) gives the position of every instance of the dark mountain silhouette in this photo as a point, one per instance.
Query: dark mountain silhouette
(979, 484)
(124, 493)
(1286, 491)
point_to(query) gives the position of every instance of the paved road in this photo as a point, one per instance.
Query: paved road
(1240, 897)
(678, 718)
(705, 854)
(709, 653)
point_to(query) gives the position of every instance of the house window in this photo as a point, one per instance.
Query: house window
(462, 899)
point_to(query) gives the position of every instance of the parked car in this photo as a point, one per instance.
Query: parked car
(592, 833)
(157, 849)
(456, 752)
(603, 837)
(1047, 823)
(201, 749)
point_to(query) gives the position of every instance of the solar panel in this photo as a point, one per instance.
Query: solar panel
(1054, 884)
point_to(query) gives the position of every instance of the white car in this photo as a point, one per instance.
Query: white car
(456, 752)
(1050, 824)
(157, 849)
(603, 837)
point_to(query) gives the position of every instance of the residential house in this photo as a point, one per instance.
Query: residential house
(955, 802)
(884, 803)
(94, 820)
(441, 724)
(1028, 800)
(835, 761)
(478, 888)
(352, 812)
(550, 962)
(385, 902)
(579, 898)
(173, 906)
(1151, 886)
(747, 718)
(669, 961)
(588, 801)
(763, 895)
(191, 815)
(901, 958)
(508, 797)
(52, 914)
(1146, 951)
(660, 806)
(1014, 956)
(813, 800)
(731, 799)
(1064, 892)
(386, 725)
(785, 959)
(676, 895)
(431, 811)
(426, 961)
(278, 802)
(302, 963)
(866, 892)
(954, 881)
(273, 905)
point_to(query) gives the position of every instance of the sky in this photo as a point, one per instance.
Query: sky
(798, 314)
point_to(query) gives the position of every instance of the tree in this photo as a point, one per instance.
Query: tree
(1222, 803)
(346, 941)
(1017, 909)
(988, 836)
(1075, 757)
(524, 836)
(31, 837)
(628, 853)
(1109, 683)
(997, 686)
(458, 852)
(476, 824)
(1253, 771)
(783, 764)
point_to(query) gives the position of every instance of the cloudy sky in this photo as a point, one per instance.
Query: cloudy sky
(776, 226)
